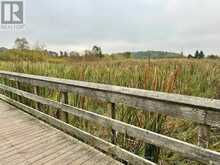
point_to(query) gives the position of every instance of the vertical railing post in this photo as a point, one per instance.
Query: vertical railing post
(18, 86)
(37, 92)
(113, 116)
(10, 93)
(4, 82)
(203, 135)
(63, 115)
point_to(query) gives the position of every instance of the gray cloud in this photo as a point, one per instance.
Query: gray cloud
(120, 25)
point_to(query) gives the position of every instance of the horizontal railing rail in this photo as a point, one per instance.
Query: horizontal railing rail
(200, 110)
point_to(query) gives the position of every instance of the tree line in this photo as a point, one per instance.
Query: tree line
(198, 55)
(22, 44)
(201, 55)
(96, 51)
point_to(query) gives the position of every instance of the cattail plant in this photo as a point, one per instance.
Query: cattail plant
(182, 76)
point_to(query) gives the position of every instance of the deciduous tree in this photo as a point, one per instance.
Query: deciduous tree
(21, 44)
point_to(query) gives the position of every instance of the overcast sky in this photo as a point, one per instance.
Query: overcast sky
(121, 25)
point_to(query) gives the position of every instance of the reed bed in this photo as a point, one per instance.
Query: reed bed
(182, 76)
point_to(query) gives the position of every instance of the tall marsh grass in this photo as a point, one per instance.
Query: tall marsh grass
(182, 76)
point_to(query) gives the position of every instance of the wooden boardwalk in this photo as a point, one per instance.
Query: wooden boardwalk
(26, 140)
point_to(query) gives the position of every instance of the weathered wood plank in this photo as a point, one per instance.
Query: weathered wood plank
(60, 114)
(63, 158)
(94, 160)
(76, 156)
(200, 116)
(197, 109)
(188, 150)
(203, 111)
(79, 134)
(113, 115)
(175, 98)
(18, 86)
(85, 157)
(55, 148)
(38, 146)
(37, 92)
(203, 136)
(22, 134)
(33, 146)
(27, 146)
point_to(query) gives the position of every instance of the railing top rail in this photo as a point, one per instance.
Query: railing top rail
(189, 101)
(202, 110)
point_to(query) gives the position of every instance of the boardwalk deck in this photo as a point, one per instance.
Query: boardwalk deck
(25, 140)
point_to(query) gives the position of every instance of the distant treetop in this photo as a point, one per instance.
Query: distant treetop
(21, 44)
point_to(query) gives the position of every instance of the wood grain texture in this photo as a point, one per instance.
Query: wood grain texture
(205, 112)
(36, 91)
(203, 136)
(188, 150)
(113, 115)
(81, 135)
(61, 114)
(31, 141)
(200, 110)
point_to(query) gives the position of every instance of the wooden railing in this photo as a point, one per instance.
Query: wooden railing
(205, 112)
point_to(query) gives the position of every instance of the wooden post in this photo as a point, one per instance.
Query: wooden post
(37, 92)
(18, 86)
(113, 116)
(2, 82)
(10, 93)
(203, 136)
(60, 114)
